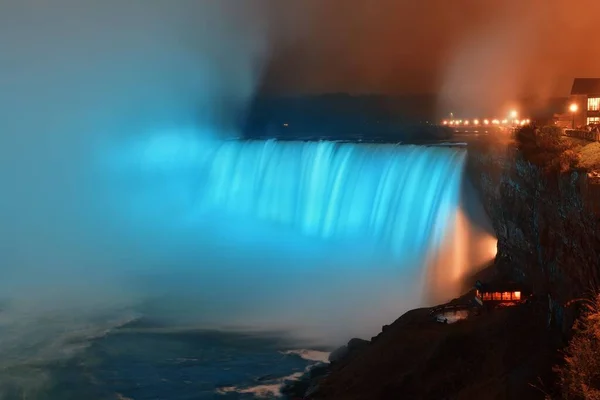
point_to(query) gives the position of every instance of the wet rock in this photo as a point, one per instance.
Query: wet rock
(357, 344)
(338, 354)
(307, 384)
(318, 371)
(343, 353)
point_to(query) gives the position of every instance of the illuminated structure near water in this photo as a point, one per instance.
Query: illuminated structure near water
(487, 122)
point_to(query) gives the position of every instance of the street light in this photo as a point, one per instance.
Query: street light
(513, 114)
(573, 108)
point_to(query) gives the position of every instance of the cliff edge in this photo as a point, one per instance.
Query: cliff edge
(548, 238)
(546, 224)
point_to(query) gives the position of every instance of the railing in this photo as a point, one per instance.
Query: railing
(592, 136)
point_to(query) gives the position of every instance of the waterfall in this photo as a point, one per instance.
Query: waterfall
(399, 199)
(287, 233)
(323, 239)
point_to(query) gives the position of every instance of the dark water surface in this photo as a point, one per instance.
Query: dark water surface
(152, 363)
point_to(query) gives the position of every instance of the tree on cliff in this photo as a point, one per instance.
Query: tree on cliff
(580, 374)
(547, 148)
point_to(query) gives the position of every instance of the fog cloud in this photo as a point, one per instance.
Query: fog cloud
(81, 81)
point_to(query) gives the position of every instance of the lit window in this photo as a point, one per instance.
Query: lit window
(593, 120)
(506, 296)
(497, 296)
(517, 296)
(487, 296)
(594, 104)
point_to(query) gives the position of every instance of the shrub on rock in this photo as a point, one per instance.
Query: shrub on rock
(580, 374)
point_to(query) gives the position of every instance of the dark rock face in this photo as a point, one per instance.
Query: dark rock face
(495, 355)
(356, 344)
(548, 233)
(307, 384)
(344, 353)
(546, 224)
(338, 354)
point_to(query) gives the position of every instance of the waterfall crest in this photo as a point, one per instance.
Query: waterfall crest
(326, 239)
(399, 198)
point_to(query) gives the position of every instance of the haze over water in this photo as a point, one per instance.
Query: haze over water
(120, 201)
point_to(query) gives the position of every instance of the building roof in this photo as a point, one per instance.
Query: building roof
(504, 287)
(585, 86)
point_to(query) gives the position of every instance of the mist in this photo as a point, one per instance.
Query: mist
(106, 111)
(470, 246)
(478, 57)
(80, 83)
(505, 53)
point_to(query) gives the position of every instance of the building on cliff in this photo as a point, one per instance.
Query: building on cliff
(505, 292)
(585, 94)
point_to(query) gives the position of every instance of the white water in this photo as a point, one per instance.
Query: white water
(398, 198)
(332, 231)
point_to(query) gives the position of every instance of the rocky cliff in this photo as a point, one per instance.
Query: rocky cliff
(547, 225)
(548, 239)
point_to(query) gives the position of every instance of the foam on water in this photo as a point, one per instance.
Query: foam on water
(273, 387)
(310, 355)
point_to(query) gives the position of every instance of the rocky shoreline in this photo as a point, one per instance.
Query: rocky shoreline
(308, 384)
(505, 353)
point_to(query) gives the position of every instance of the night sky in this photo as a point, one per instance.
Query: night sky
(476, 53)
(462, 49)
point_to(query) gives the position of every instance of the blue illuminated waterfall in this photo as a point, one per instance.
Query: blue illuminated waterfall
(399, 198)
(245, 227)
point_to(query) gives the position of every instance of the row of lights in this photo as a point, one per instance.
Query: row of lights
(476, 122)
